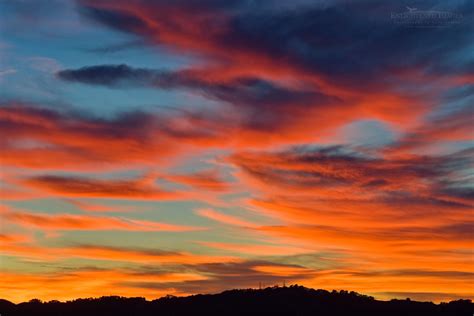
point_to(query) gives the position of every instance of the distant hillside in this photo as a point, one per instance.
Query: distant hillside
(293, 300)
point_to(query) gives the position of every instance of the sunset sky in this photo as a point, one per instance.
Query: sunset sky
(183, 146)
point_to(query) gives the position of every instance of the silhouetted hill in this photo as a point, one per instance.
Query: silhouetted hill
(293, 300)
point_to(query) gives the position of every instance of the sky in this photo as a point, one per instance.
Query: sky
(182, 147)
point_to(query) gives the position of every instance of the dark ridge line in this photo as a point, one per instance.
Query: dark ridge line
(276, 300)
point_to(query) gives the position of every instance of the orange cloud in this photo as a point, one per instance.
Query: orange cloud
(283, 270)
(71, 285)
(62, 222)
(204, 180)
(224, 218)
(377, 211)
(24, 247)
(257, 249)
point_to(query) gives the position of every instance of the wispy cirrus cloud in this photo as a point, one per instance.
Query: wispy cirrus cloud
(209, 180)
(332, 170)
(74, 186)
(64, 222)
(364, 202)
(35, 132)
(224, 218)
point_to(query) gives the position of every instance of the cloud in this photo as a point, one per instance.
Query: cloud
(209, 180)
(454, 126)
(300, 73)
(301, 40)
(24, 247)
(95, 207)
(379, 210)
(144, 255)
(262, 104)
(43, 138)
(59, 137)
(119, 47)
(136, 139)
(224, 218)
(9, 238)
(243, 91)
(327, 172)
(146, 281)
(64, 222)
(236, 275)
(257, 249)
(7, 72)
(112, 75)
(73, 186)
(70, 285)
(303, 73)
